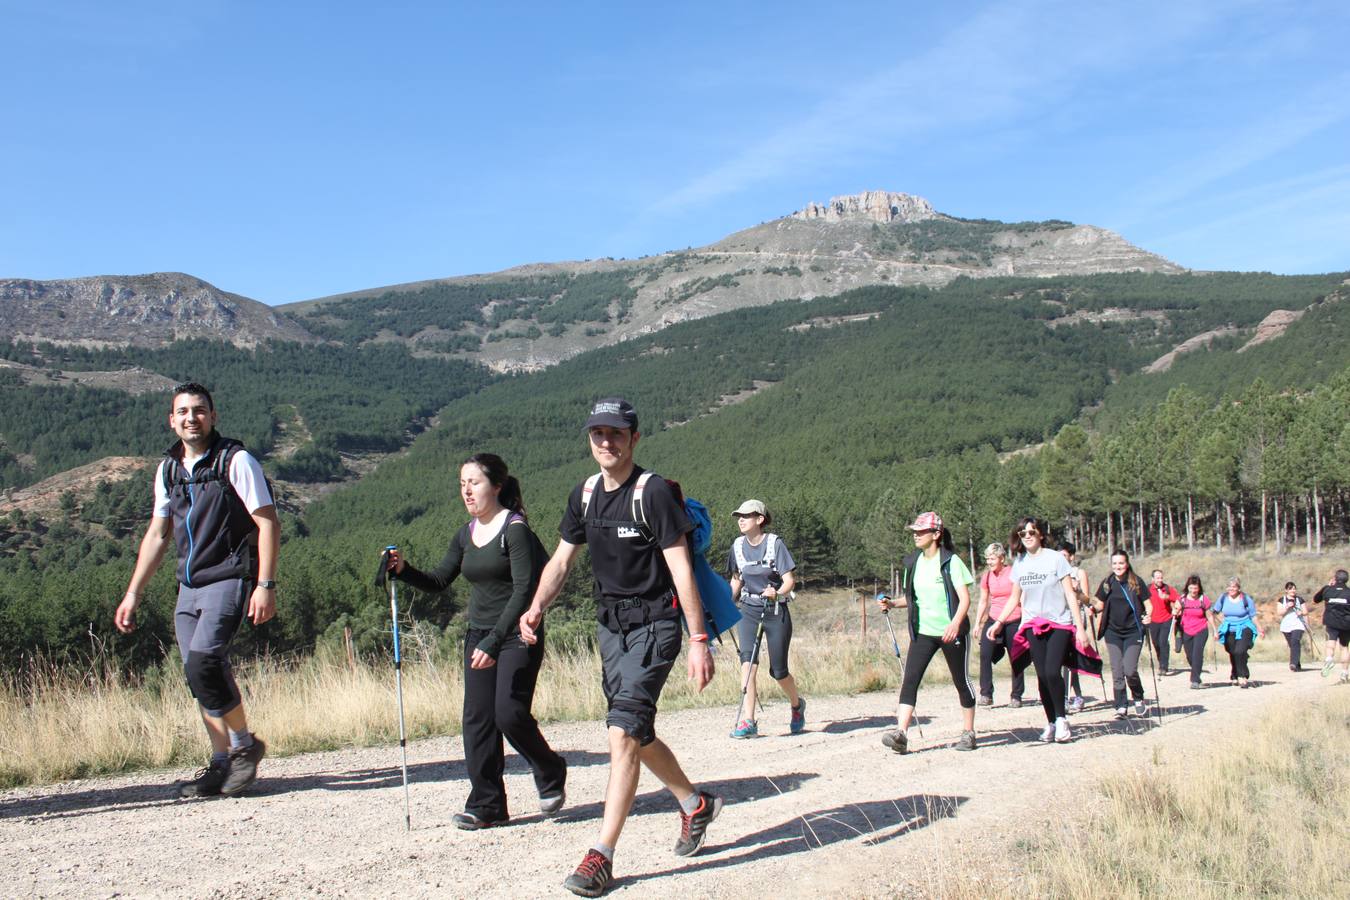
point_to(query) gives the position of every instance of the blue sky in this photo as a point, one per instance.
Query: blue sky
(293, 150)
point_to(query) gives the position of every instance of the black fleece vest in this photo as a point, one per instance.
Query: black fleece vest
(214, 532)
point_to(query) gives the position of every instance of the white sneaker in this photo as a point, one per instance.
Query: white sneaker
(1062, 735)
(1122, 712)
(1048, 734)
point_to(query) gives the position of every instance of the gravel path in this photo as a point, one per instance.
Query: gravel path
(829, 812)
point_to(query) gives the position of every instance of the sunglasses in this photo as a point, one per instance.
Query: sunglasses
(1029, 532)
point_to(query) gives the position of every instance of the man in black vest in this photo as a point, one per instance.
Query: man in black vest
(636, 530)
(213, 502)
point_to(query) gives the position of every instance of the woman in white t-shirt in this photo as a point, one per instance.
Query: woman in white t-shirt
(1051, 620)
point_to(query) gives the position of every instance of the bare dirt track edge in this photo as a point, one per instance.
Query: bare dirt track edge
(828, 812)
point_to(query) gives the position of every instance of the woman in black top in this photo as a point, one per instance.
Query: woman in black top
(502, 558)
(1120, 623)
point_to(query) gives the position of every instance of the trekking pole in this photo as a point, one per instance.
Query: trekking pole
(886, 614)
(1312, 642)
(750, 670)
(1153, 670)
(381, 579)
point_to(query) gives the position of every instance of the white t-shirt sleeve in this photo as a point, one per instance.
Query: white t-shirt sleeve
(247, 478)
(161, 510)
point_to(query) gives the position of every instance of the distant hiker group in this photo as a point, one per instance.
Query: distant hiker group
(652, 585)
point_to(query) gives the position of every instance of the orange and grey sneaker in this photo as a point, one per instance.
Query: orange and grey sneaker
(592, 877)
(693, 826)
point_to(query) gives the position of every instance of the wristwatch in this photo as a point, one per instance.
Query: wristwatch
(269, 584)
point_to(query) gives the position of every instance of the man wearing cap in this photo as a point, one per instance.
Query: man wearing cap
(636, 530)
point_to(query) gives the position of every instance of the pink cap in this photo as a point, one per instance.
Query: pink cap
(929, 521)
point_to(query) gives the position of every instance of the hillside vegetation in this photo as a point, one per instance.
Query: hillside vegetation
(854, 412)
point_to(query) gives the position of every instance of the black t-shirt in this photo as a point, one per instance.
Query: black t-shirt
(1337, 599)
(1120, 619)
(625, 560)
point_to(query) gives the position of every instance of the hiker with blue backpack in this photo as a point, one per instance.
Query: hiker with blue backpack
(762, 580)
(500, 556)
(1237, 629)
(636, 528)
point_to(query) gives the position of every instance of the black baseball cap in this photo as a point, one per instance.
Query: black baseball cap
(614, 412)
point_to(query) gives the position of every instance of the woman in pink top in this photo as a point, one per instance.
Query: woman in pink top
(1195, 621)
(995, 587)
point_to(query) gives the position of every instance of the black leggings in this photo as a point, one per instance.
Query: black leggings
(1295, 641)
(921, 651)
(777, 635)
(1047, 655)
(987, 647)
(1195, 652)
(1238, 648)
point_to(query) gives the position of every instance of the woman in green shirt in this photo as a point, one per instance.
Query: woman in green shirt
(502, 558)
(936, 587)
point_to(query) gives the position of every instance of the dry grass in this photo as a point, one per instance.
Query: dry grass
(56, 724)
(1257, 817)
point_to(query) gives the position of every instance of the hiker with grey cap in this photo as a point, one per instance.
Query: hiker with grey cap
(762, 580)
(636, 529)
(213, 503)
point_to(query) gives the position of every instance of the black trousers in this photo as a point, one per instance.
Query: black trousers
(922, 649)
(1157, 635)
(1295, 641)
(1047, 655)
(987, 647)
(1195, 652)
(497, 703)
(1238, 648)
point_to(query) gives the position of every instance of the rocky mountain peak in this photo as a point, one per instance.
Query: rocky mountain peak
(875, 206)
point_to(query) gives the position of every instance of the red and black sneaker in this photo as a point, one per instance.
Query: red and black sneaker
(694, 826)
(592, 876)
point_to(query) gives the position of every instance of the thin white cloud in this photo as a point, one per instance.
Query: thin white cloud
(1006, 59)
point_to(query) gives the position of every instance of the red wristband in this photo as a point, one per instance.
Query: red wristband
(699, 638)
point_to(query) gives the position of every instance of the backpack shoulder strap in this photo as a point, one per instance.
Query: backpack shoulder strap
(771, 551)
(587, 489)
(639, 514)
(514, 517)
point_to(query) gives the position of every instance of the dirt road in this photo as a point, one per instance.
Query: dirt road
(829, 812)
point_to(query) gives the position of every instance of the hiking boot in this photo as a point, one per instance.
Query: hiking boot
(1140, 708)
(207, 781)
(1015, 703)
(694, 826)
(243, 767)
(1062, 734)
(798, 724)
(985, 700)
(1048, 734)
(747, 728)
(895, 740)
(467, 821)
(966, 741)
(592, 876)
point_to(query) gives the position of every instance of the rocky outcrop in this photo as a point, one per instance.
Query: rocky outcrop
(142, 310)
(875, 206)
(1272, 326)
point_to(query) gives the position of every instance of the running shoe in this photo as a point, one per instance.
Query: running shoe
(1122, 712)
(798, 723)
(467, 821)
(693, 826)
(896, 740)
(1327, 667)
(592, 876)
(966, 741)
(747, 728)
(1015, 703)
(1140, 708)
(985, 700)
(207, 781)
(1345, 678)
(549, 806)
(1048, 734)
(1076, 704)
(1195, 685)
(243, 767)
(1062, 734)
